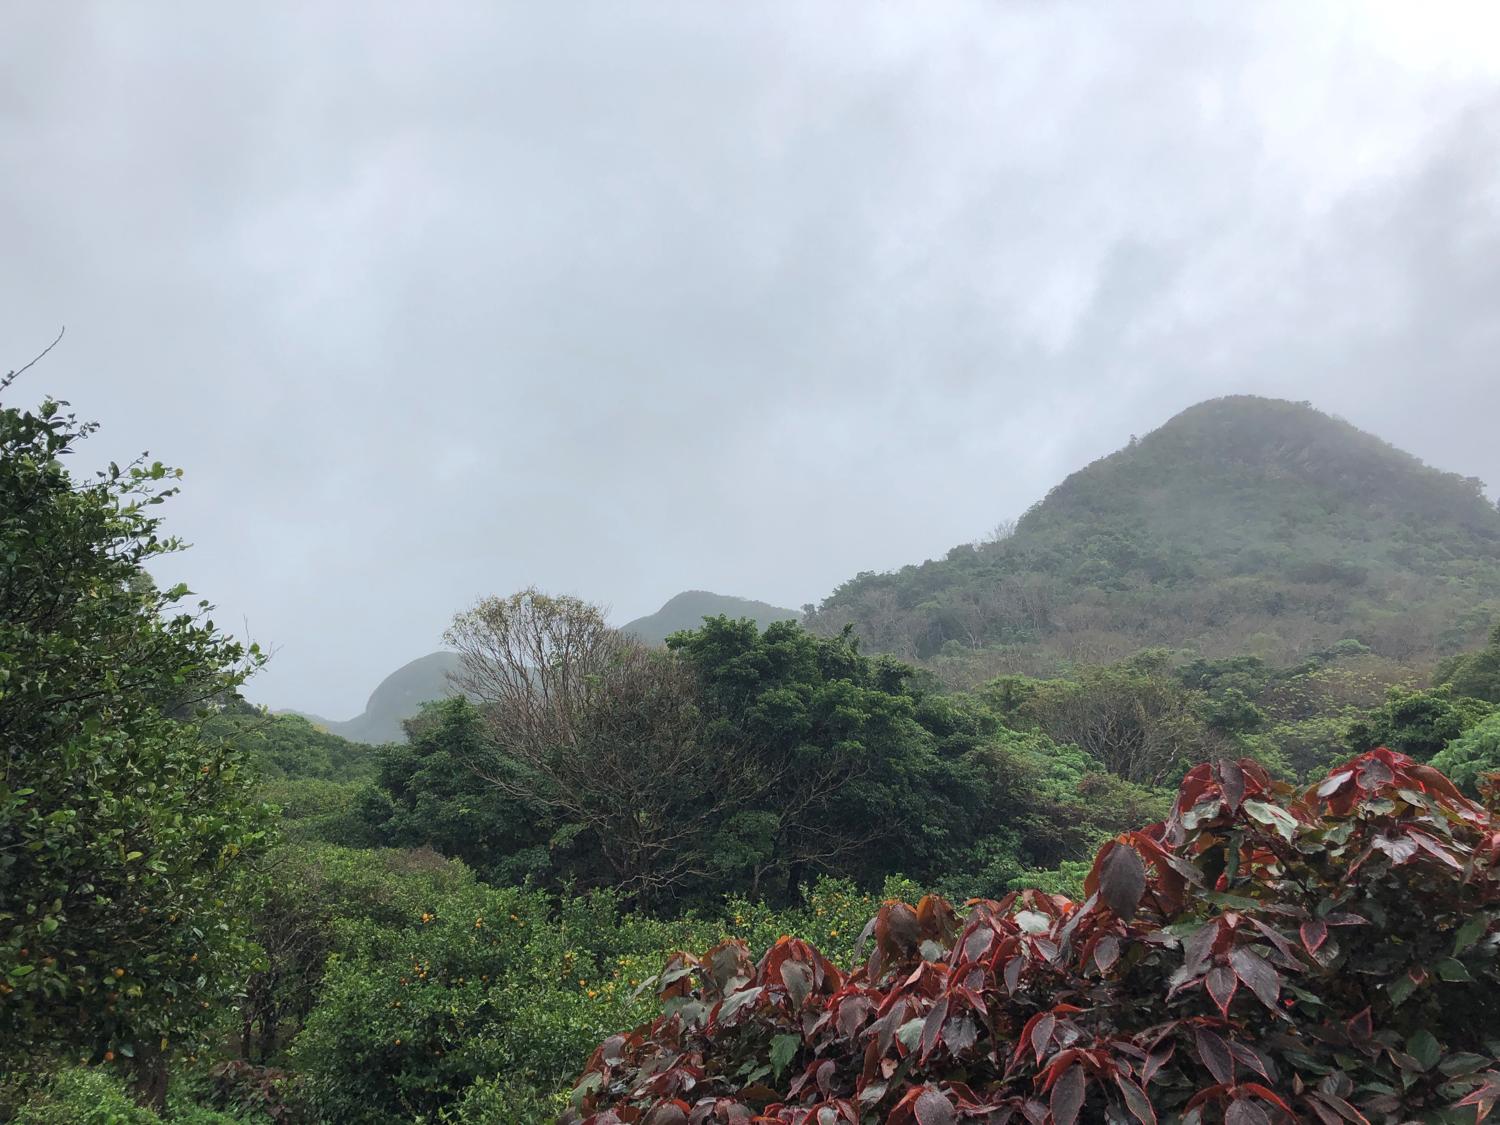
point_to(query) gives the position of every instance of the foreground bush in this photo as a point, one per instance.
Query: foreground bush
(400, 987)
(1262, 956)
(127, 839)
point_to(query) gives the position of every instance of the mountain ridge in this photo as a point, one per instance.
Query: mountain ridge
(1242, 524)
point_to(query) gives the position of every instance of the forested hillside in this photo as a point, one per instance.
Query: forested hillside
(1244, 526)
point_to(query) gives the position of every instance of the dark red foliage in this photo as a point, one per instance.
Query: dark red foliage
(1263, 956)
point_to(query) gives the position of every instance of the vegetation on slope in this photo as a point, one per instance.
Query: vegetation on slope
(395, 699)
(1244, 526)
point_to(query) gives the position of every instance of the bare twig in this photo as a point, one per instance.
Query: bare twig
(10, 377)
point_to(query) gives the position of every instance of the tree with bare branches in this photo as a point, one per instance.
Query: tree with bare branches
(590, 723)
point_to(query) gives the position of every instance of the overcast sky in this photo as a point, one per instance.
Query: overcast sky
(438, 300)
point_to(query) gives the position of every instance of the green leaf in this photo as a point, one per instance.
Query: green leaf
(1452, 969)
(1399, 989)
(1470, 932)
(1423, 1046)
(1281, 820)
(783, 1048)
(910, 1032)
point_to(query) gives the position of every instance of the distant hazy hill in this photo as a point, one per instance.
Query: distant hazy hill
(1243, 525)
(687, 611)
(399, 696)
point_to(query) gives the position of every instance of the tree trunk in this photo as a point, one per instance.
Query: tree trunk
(149, 1081)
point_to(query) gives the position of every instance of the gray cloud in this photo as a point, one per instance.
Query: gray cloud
(624, 299)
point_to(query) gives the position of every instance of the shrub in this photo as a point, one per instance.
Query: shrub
(1472, 755)
(127, 838)
(1262, 956)
(85, 1096)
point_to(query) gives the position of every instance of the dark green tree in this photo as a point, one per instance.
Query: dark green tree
(428, 794)
(1419, 723)
(1475, 674)
(125, 835)
(1473, 754)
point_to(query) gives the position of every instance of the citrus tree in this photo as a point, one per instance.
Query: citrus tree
(124, 833)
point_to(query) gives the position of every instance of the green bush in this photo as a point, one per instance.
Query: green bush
(1473, 754)
(84, 1096)
(128, 837)
(493, 1101)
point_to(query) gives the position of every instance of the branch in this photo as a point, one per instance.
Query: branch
(11, 377)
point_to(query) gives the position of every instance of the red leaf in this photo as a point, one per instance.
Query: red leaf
(1257, 973)
(1334, 782)
(1314, 934)
(1136, 1100)
(1067, 1096)
(1221, 985)
(934, 1108)
(1267, 1095)
(1107, 952)
(1215, 1055)
(674, 1112)
(1231, 783)
(1361, 1027)
(1013, 974)
(1428, 844)
(1122, 879)
(1160, 1055)
(932, 1030)
(1041, 1034)
(1374, 774)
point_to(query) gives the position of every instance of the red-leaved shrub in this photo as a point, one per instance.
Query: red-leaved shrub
(1263, 956)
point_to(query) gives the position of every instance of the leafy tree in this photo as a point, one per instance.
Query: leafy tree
(1476, 674)
(291, 747)
(601, 732)
(1419, 723)
(1136, 718)
(1472, 755)
(843, 774)
(428, 794)
(124, 834)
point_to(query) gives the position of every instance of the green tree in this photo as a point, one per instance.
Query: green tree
(1419, 723)
(291, 747)
(124, 834)
(604, 734)
(1476, 674)
(1135, 718)
(1472, 755)
(845, 777)
(428, 794)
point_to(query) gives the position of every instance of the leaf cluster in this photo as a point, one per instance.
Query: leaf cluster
(1263, 955)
